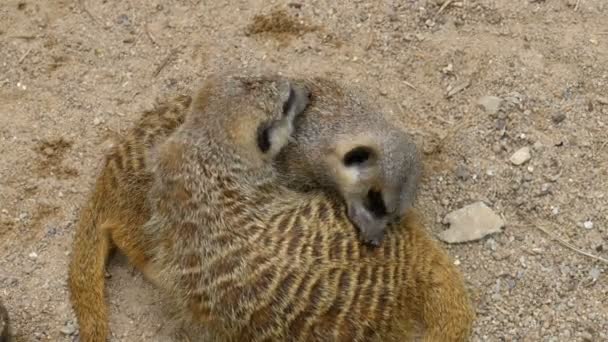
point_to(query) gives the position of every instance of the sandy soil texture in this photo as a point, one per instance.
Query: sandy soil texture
(74, 73)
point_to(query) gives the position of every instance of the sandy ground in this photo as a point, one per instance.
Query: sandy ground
(75, 73)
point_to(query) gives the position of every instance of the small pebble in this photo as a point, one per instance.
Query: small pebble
(520, 156)
(594, 273)
(448, 69)
(491, 243)
(461, 172)
(490, 104)
(588, 224)
(558, 117)
(123, 19)
(69, 329)
(545, 189)
(96, 121)
(33, 256)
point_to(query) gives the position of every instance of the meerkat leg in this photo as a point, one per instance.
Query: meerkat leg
(128, 239)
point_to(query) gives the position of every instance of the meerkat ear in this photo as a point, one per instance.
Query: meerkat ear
(273, 136)
(296, 101)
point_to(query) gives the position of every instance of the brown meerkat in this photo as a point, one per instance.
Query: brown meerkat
(4, 324)
(117, 209)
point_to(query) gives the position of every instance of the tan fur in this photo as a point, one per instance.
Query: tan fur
(273, 251)
(4, 324)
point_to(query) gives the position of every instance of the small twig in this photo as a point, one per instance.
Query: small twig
(578, 2)
(458, 88)
(149, 34)
(26, 37)
(409, 85)
(86, 10)
(569, 245)
(444, 6)
(164, 63)
(24, 55)
(445, 121)
(505, 312)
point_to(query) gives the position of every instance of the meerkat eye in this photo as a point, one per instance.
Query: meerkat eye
(264, 137)
(375, 204)
(288, 105)
(356, 156)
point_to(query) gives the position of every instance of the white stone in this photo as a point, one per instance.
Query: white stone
(520, 156)
(471, 223)
(490, 104)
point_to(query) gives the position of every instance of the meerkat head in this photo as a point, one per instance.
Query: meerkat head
(345, 146)
(376, 173)
(255, 113)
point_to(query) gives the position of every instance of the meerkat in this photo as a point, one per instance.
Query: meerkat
(374, 166)
(117, 209)
(253, 260)
(4, 324)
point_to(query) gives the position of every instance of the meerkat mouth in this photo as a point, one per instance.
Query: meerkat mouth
(375, 204)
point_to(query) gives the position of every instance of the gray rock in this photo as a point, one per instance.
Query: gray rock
(520, 156)
(69, 329)
(471, 223)
(558, 117)
(462, 172)
(594, 273)
(490, 104)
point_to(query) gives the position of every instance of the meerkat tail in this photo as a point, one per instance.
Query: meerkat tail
(86, 277)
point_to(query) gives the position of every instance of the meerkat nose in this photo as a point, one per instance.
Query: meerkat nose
(375, 203)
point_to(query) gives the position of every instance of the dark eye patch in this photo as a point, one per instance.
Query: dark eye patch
(264, 137)
(287, 105)
(356, 156)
